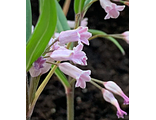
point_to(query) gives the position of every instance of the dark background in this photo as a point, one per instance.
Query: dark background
(104, 60)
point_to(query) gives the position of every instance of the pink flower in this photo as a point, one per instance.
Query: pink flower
(39, 67)
(80, 34)
(84, 22)
(109, 97)
(126, 36)
(81, 76)
(111, 9)
(113, 87)
(55, 46)
(76, 55)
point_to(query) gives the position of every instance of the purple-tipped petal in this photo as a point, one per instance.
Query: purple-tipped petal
(81, 76)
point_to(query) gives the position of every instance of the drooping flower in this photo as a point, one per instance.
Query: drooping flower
(80, 34)
(39, 67)
(111, 9)
(76, 55)
(81, 76)
(109, 97)
(113, 87)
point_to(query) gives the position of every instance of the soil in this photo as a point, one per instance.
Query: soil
(106, 63)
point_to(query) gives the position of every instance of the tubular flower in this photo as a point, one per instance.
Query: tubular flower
(39, 67)
(113, 87)
(81, 76)
(109, 97)
(111, 9)
(80, 34)
(76, 55)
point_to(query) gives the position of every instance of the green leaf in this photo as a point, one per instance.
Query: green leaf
(62, 77)
(87, 4)
(62, 24)
(41, 2)
(98, 32)
(42, 33)
(78, 6)
(28, 20)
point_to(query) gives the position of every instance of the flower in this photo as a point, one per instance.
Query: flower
(39, 67)
(81, 76)
(80, 34)
(109, 97)
(55, 46)
(113, 87)
(84, 35)
(84, 22)
(111, 9)
(126, 36)
(76, 55)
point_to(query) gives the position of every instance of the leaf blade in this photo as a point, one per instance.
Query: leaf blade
(62, 77)
(42, 33)
(62, 24)
(78, 6)
(28, 20)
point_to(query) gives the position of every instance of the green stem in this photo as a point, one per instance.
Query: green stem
(33, 86)
(27, 97)
(40, 89)
(98, 81)
(110, 37)
(46, 50)
(66, 7)
(77, 20)
(96, 85)
(70, 102)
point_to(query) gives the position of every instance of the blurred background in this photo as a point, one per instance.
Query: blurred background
(106, 63)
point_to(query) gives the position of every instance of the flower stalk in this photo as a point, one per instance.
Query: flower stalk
(27, 96)
(95, 84)
(66, 7)
(33, 86)
(70, 101)
(40, 89)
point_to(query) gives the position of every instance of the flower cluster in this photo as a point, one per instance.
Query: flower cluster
(59, 52)
(69, 55)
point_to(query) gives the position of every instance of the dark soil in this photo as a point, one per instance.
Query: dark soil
(106, 63)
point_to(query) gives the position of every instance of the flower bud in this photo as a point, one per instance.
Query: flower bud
(113, 87)
(126, 36)
(109, 97)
